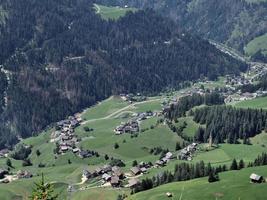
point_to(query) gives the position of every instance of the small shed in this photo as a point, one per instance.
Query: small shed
(254, 178)
(168, 194)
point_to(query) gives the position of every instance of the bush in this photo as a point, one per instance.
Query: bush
(86, 128)
(21, 152)
(134, 163)
(116, 145)
(117, 162)
(41, 165)
(26, 162)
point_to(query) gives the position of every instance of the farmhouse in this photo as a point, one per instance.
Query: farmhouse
(86, 174)
(132, 183)
(118, 172)
(115, 181)
(135, 171)
(254, 178)
(107, 168)
(160, 163)
(24, 174)
(85, 154)
(187, 152)
(106, 177)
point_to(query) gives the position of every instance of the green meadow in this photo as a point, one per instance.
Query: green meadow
(257, 103)
(258, 43)
(112, 12)
(233, 185)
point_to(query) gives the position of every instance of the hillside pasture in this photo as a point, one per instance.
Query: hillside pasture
(258, 43)
(113, 13)
(257, 103)
(232, 185)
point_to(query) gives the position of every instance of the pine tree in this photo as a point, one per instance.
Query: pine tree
(116, 145)
(178, 146)
(234, 165)
(38, 153)
(43, 191)
(241, 164)
(9, 163)
(213, 178)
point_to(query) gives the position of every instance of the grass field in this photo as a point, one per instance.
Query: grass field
(112, 12)
(191, 127)
(254, 103)
(104, 108)
(259, 43)
(233, 185)
(260, 139)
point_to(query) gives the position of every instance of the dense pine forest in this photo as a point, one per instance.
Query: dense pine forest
(225, 123)
(233, 22)
(59, 57)
(186, 103)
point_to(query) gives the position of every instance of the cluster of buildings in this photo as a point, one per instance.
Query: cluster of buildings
(133, 126)
(108, 174)
(6, 177)
(187, 152)
(163, 161)
(133, 98)
(64, 135)
(141, 168)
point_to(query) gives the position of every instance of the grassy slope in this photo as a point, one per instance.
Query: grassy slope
(104, 108)
(232, 186)
(191, 127)
(256, 44)
(254, 103)
(112, 12)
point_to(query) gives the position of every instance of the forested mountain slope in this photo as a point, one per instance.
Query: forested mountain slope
(59, 57)
(233, 22)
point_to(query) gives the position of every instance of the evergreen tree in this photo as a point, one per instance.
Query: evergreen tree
(213, 177)
(9, 163)
(134, 163)
(116, 145)
(38, 153)
(234, 165)
(178, 146)
(43, 191)
(241, 164)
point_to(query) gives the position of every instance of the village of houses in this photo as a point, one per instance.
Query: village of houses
(107, 175)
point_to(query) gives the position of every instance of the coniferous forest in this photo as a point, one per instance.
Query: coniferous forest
(225, 123)
(58, 57)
